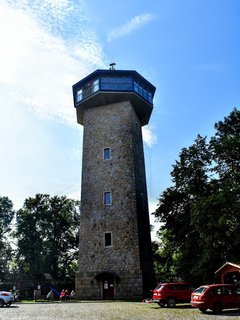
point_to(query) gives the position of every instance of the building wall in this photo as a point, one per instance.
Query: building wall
(115, 126)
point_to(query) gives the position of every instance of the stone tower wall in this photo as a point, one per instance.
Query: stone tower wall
(115, 126)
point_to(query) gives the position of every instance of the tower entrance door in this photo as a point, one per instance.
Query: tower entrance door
(108, 282)
(108, 288)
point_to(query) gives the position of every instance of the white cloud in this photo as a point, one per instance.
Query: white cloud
(37, 68)
(129, 27)
(148, 135)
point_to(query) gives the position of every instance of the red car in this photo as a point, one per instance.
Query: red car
(172, 293)
(216, 297)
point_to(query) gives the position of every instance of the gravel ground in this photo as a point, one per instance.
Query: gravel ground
(103, 310)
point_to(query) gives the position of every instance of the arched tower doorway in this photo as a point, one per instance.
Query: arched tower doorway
(108, 282)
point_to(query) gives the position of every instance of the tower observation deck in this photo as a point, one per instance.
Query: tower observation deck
(110, 86)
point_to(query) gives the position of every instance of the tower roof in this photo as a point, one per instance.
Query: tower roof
(104, 87)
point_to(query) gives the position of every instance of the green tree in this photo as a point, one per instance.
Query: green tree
(47, 232)
(200, 212)
(225, 148)
(6, 217)
(190, 182)
(218, 214)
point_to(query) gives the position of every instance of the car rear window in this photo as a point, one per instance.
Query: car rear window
(200, 289)
(159, 287)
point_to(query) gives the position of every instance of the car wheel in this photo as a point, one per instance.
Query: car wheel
(8, 304)
(202, 310)
(161, 304)
(171, 302)
(1, 303)
(217, 308)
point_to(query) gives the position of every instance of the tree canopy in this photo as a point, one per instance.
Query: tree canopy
(6, 217)
(47, 236)
(200, 212)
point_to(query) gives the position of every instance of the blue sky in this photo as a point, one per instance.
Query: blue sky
(188, 49)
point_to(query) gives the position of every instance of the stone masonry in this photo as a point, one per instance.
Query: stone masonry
(117, 127)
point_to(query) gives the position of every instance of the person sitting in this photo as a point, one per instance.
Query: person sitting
(50, 296)
(72, 295)
(62, 295)
(66, 297)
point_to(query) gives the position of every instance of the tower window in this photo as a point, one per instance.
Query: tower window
(106, 153)
(96, 85)
(108, 239)
(79, 95)
(107, 198)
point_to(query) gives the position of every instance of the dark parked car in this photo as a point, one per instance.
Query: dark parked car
(216, 297)
(172, 293)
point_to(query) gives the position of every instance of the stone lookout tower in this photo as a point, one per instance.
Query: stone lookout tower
(115, 258)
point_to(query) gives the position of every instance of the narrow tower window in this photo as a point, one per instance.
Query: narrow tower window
(95, 85)
(108, 239)
(106, 153)
(79, 95)
(107, 198)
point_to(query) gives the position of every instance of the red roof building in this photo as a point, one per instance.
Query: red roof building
(229, 273)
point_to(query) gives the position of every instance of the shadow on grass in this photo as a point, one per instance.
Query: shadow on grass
(228, 313)
(181, 306)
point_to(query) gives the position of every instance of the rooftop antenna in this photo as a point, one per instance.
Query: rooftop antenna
(112, 66)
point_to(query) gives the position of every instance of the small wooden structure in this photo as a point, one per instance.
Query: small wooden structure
(229, 273)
